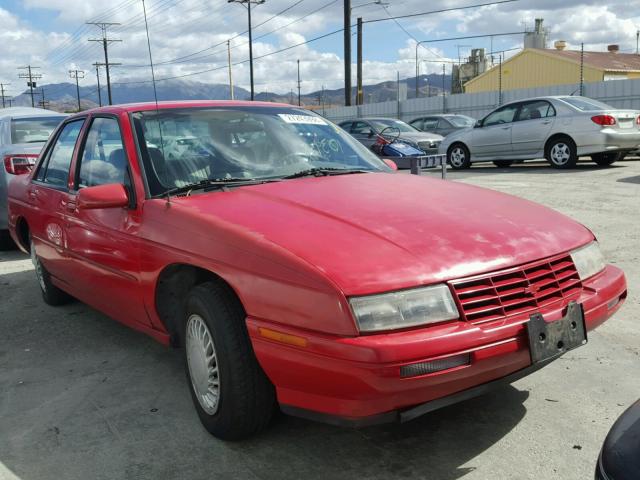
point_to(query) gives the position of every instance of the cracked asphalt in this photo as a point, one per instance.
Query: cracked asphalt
(83, 397)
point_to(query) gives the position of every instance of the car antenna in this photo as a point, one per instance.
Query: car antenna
(153, 80)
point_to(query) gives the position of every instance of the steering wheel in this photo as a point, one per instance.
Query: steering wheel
(382, 133)
(292, 158)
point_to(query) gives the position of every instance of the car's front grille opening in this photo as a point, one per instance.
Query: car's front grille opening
(516, 291)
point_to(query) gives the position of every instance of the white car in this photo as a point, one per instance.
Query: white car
(560, 129)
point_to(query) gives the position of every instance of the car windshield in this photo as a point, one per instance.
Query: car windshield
(587, 104)
(381, 124)
(33, 130)
(462, 121)
(190, 145)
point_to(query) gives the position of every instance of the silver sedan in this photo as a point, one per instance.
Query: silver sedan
(560, 129)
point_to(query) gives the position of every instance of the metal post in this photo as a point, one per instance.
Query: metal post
(97, 65)
(444, 98)
(2, 85)
(581, 69)
(299, 102)
(398, 91)
(359, 96)
(250, 49)
(323, 112)
(347, 52)
(77, 75)
(230, 72)
(500, 81)
(417, 70)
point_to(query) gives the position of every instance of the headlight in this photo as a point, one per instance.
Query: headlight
(588, 260)
(407, 308)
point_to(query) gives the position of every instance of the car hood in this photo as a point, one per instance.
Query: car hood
(376, 232)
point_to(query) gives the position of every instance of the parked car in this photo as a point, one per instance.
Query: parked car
(620, 455)
(23, 132)
(442, 124)
(324, 283)
(560, 129)
(368, 130)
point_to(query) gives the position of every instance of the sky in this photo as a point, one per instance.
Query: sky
(188, 37)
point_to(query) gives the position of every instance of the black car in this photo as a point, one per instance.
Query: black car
(620, 455)
(442, 124)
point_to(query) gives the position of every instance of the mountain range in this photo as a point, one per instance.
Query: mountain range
(62, 96)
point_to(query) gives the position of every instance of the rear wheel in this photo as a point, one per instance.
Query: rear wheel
(503, 163)
(51, 294)
(607, 158)
(232, 395)
(561, 152)
(459, 157)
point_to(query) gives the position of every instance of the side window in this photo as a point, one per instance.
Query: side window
(55, 169)
(361, 128)
(430, 124)
(442, 123)
(345, 126)
(103, 160)
(535, 110)
(502, 115)
(417, 123)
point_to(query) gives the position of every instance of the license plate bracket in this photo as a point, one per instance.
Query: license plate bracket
(552, 339)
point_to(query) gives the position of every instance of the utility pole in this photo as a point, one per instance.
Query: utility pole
(359, 95)
(2, 87)
(347, 52)
(247, 4)
(31, 77)
(43, 103)
(500, 80)
(299, 102)
(637, 40)
(323, 113)
(230, 73)
(444, 98)
(98, 65)
(582, 69)
(77, 75)
(105, 42)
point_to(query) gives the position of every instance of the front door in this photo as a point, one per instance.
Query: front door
(103, 242)
(493, 137)
(532, 127)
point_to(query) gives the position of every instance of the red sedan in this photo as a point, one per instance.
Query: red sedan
(296, 269)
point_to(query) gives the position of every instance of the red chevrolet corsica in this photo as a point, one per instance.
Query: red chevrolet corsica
(297, 269)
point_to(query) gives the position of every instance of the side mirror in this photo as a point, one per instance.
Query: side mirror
(478, 124)
(112, 195)
(370, 133)
(390, 163)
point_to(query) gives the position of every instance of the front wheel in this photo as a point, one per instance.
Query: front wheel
(562, 153)
(232, 395)
(458, 157)
(607, 158)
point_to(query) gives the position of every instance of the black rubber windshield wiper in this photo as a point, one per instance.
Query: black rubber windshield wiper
(212, 184)
(324, 172)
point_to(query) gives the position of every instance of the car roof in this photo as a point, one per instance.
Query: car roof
(17, 112)
(170, 104)
(370, 118)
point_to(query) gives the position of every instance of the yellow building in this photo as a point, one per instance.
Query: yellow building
(535, 67)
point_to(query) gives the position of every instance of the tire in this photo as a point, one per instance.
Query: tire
(51, 294)
(6, 242)
(561, 153)
(503, 163)
(607, 158)
(458, 156)
(231, 393)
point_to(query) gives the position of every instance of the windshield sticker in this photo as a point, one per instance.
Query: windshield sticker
(303, 119)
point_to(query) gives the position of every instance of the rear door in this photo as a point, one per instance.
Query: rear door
(533, 124)
(493, 137)
(104, 243)
(48, 196)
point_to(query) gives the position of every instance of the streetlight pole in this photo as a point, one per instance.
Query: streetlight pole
(248, 3)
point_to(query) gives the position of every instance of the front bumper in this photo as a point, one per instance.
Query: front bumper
(357, 381)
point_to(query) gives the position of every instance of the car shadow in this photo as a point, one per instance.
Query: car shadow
(85, 397)
(635, 179)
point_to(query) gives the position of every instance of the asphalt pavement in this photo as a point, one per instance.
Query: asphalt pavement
(83, 397)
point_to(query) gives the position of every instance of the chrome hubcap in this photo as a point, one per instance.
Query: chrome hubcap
(38, 268)
(457, 157)
(203, 364)
(560, 153)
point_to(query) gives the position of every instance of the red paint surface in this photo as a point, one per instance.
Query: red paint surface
(295, 250)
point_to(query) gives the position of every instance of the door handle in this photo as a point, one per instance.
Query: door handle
(71, 207)
(33, 193)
